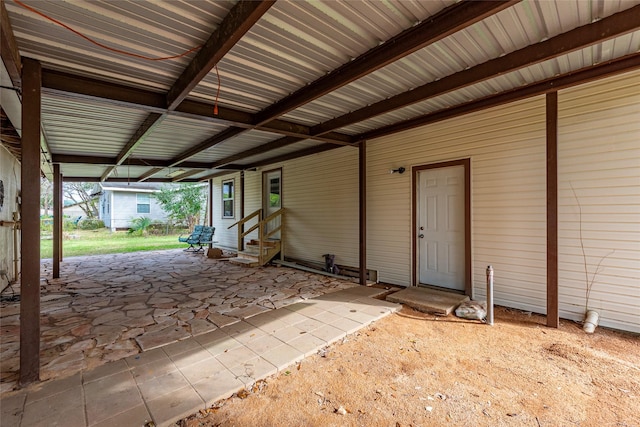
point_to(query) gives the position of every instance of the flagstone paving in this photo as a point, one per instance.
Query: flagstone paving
(170, 382)
(110, 307)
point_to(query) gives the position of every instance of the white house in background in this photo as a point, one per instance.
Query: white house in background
(122, 202)
(490, 169)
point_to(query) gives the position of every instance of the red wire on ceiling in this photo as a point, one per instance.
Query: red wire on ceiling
(89, 39)
(122, 52)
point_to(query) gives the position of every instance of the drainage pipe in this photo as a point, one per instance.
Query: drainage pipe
(591, 321)
(489, 295)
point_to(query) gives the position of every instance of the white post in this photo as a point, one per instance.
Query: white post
(489, 295)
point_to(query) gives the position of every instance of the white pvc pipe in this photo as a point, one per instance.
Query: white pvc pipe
(489, 295)
(591, 321)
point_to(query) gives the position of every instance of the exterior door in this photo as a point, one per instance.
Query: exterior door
(272, 197)
(440, 220)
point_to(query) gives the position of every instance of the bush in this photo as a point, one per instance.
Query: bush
(69, 224)
(90, 224)
(46, 223)
(139, 226)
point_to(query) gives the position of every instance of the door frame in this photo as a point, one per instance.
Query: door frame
(262, 191)
(466, 163)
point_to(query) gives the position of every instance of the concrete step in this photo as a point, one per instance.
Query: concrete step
(428, 300)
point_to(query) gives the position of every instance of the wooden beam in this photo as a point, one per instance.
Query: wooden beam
(78, 87)
(450, 20)
(235, 25)
(362, 211)
(621, 65)
(112, 161)
(605, 69)
(30, 224)
(57, 219)
(121, 180)
(290, 156)
(205, 145)
(9, 48)
(148, 174)
(578, 38)
(272, 145)
(151, 121)
(553, 319)
(216, 175)
(185, 175)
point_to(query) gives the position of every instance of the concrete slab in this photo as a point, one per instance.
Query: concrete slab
(428, 300)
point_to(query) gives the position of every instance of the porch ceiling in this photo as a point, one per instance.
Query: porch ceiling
(295, 78)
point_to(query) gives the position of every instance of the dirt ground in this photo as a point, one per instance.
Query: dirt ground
(414, 369)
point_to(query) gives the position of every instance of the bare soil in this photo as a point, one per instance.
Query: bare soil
(414, 369)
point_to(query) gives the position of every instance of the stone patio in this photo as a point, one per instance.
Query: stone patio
(111, 307)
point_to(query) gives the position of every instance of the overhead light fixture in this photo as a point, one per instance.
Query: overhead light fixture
(176, 173)
(400, 170)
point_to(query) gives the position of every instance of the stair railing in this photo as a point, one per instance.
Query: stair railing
(241, 223)
(261, 226)
(266, 235)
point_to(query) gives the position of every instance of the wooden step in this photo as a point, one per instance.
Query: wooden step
(247, 262)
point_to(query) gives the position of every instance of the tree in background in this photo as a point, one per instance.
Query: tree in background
(46, 195)
(184, 203)
(83, 195)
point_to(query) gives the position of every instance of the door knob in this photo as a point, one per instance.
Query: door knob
(421, 236)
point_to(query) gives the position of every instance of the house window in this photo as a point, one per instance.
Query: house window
(228, 199)
(143, 203)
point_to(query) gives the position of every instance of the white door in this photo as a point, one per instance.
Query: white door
(272, 198)
(440, 222)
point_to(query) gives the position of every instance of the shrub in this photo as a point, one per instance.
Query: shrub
(139, 226)
(90, 224)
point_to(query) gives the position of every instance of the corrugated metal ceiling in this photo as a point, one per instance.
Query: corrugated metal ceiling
(293, 44)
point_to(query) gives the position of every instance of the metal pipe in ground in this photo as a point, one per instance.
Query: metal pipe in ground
(489, 295)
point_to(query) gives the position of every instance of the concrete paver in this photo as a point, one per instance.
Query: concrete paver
(183, 374)
(177, 379)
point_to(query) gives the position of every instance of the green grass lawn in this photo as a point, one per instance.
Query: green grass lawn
(96, 242)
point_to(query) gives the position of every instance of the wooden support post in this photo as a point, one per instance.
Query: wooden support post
(553, 319)
(362, 166)
(61, 225)
(241, 229)
(57, 220)
(210, 207)
(30, 217)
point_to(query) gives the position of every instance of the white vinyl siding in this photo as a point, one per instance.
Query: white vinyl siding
(10, 177)
(320, 194)
(599, 156)
(124, 208)
(320, 197)
(506, 146)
